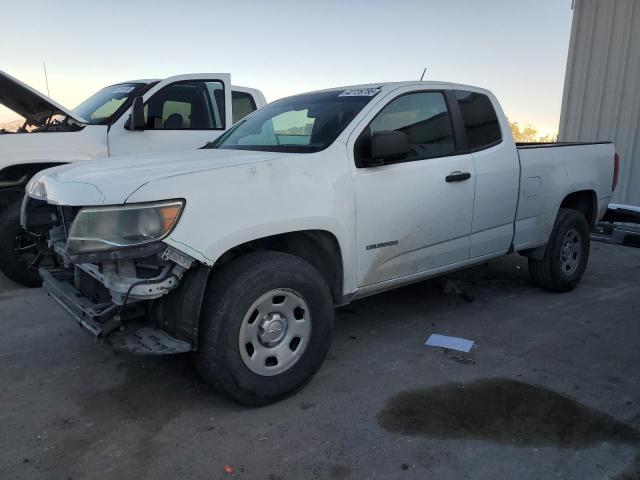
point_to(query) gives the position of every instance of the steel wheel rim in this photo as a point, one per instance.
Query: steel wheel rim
(571, 252)
(275, 332)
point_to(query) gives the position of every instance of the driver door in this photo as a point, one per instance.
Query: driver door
(181, 113)
(412, 215)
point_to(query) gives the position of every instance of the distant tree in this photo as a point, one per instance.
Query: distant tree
(529, 134)
(549, 138)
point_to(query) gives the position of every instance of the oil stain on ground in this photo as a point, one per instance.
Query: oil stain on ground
(632, 472)
(503, 411)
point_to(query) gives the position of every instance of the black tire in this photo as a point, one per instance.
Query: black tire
(229, 297)
(10, 262)
(552, 272)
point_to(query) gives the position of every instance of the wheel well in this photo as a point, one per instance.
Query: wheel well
(318, 247)
(14, 178)
(583, 201)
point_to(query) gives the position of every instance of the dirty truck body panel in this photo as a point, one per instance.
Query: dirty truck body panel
(373, 187)
(394, 222)
(551, 173)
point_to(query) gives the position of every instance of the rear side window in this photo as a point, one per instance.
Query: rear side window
(242, 104)
(480, 119)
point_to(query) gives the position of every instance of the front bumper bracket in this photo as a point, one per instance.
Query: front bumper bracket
(84, 311)
(101, 320)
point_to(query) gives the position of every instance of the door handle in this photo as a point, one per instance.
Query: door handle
(457, 176)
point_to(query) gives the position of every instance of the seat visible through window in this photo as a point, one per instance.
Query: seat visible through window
(242, 105)
(174, 121)
(197, 105)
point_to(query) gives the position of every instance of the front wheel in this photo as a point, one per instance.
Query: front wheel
(566, 254)
(20, 253)
(266, 327)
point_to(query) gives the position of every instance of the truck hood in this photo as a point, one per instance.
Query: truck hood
(28, 102)
(111, 181)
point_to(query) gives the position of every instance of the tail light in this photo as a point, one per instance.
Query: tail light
(616, 169)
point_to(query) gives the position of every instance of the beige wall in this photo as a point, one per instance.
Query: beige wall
(601, 99)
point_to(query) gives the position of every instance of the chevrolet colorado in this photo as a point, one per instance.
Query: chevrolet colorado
(239, 251)
(176, 113)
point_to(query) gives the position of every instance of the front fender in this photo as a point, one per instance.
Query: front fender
(229, 206)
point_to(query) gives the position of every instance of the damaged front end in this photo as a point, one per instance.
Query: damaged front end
(39, 113)
(116, 277)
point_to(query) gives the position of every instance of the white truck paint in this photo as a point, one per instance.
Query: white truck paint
(106, 138)
(395, 220)
(54, 135)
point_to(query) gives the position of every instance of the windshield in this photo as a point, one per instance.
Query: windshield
(303, 123)
(99, 107)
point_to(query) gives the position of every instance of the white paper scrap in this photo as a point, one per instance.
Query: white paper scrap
(453, 343)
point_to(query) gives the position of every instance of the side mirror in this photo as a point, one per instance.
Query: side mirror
(136, 119)
(388, 146)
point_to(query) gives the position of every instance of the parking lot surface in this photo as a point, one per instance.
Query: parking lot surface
(550, 390)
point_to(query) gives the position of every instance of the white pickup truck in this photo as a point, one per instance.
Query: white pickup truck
(240, 251)
(176, 113)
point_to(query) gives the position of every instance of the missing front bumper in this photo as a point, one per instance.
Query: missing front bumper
(97, 319)
(146, 340)
(102, 320)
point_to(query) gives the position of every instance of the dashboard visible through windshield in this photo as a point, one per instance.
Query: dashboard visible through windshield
(302, 123)
(100, 107)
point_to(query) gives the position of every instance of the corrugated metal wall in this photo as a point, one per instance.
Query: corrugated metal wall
(601, 99)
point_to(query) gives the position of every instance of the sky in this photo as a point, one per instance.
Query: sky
(516, 48)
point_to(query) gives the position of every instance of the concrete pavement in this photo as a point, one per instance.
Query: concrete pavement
(550, 390)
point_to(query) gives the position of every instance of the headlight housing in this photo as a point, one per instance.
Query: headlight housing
(36, 189)
(98, 229)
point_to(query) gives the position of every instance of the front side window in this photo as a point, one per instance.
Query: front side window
(100, 107)
(423, 117)
(192, 104)
(242, 104)
(303, 123)
(480, 119)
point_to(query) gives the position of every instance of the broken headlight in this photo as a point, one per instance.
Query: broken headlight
(107, 228)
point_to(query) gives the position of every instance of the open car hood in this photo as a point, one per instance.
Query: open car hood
(28, 102)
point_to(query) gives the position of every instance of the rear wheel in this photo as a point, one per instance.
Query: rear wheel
(566, 254)
(266, 327)
(20, 252)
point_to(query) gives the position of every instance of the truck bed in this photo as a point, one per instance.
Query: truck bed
(549, 172)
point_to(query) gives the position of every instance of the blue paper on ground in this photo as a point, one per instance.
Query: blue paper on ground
(453, 343)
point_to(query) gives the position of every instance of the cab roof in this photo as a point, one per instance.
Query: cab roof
(386, 87)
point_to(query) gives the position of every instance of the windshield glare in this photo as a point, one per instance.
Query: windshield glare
(303, 123)
(101, 106)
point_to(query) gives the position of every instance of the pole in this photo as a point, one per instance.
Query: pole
(46, 79)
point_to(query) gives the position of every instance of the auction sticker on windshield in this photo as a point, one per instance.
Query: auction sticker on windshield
(360, 92)
(123, 89)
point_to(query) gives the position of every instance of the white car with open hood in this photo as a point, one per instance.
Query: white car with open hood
(177, 113)
(240, 251)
